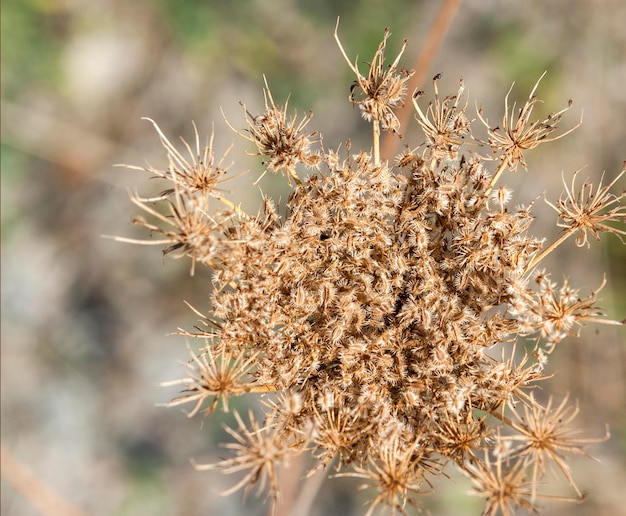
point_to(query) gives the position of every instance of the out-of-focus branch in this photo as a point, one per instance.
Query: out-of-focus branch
(40, 495)
(77, 150)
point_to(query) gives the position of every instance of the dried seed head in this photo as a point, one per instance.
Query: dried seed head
(281, 139)
(518, 134)
(367, 306)
(445, 123)
(382, 90)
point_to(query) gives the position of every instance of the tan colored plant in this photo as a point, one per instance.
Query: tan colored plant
(368, 310)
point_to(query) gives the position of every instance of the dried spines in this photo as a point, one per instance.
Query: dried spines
(339, 433)
(460, 437)
(186, 228)
(397, 473)
(556, 313)
(281, 139)
(503, 487)
(381, 91)
(216, 376)
(544, 437)
(518, 134)
(257, 451)
(587, 212)
(445, 123)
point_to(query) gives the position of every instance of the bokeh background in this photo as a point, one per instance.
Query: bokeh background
(85, 319)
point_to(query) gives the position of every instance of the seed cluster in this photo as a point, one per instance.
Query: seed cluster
(392, 316)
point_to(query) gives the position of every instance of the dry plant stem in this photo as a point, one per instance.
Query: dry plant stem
(545, 252)
(308, 492)
(298, 499)
(376, 142)
(47, 501)
(496, 175)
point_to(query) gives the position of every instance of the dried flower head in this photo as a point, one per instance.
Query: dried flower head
(518, 134)
(281, 139)
(397, 474)
(445, 122)
(257, 452)
(380, 92)
(589, 211)
(370, 308)
(544, 436)
(210, 376)
(503, 486)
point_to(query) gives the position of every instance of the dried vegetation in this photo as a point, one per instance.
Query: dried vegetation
(394, 317)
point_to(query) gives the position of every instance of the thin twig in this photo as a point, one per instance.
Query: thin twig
(40, 495)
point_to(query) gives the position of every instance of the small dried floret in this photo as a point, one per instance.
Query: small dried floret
(382, 90)
(196, 174)
(559, 313)
(589, 211)
(192, 232)
(502, 484)
(518, 134)
(445, 123)
(212, 376)
(280, 138)
(258, 451)
(397, 473)
(544, 436)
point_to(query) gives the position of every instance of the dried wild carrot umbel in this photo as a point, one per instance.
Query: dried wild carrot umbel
(393, 317)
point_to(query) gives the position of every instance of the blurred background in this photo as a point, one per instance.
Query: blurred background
(85, 320)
